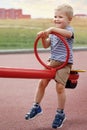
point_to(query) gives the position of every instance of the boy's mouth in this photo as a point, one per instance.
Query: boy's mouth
(57, 22)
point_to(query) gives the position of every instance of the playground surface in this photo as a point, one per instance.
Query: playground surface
(16, 96)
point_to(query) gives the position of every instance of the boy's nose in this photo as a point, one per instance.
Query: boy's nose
(56, 19)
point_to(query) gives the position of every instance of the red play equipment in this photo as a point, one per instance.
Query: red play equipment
(33, 73)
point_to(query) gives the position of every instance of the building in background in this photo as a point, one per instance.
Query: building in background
(13, 14)
(81, 15)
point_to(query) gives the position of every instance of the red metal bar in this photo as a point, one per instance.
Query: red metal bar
(26, 73)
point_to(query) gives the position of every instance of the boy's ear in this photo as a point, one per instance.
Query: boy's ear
(70, 19)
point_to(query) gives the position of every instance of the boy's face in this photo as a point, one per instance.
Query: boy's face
(60, 19)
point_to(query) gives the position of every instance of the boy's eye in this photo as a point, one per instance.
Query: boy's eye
(55, 16)
(60, 17)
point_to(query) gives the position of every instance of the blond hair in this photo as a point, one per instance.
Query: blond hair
(67, 9)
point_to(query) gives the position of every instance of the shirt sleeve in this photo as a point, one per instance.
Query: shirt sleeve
(69, 28)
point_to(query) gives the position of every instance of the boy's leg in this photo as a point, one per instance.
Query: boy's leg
(61, 78)
(41, 90)
(61, 98)
(36, 109)
(61, 95)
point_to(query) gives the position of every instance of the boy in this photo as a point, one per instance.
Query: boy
(63, 15)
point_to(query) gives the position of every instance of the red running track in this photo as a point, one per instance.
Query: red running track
(16, 97)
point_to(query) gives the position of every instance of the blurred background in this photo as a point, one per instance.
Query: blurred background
(20, 20)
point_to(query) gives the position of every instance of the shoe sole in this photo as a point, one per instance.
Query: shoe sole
(35, 116)
(61, 124)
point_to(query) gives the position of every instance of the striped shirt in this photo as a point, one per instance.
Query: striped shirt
(58, 50)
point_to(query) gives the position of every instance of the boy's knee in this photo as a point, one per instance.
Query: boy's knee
(60, 88)
(44, 82)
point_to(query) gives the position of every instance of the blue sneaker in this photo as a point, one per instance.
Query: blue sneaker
(58, 121)
(35, 111)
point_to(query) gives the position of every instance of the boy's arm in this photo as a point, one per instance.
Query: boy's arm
(63, 32)
(45, 39)
(45, 42)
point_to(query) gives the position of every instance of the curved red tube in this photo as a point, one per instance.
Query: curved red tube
(38, 58)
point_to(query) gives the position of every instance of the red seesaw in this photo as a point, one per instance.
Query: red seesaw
(6, 72)
(33, 73)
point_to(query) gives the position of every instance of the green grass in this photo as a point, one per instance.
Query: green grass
(21, 34)
(80, 26)
(16, 38)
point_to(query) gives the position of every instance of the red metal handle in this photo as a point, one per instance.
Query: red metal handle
(39, 59)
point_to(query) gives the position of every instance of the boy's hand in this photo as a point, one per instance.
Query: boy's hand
(43, 34)
(49, 30)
